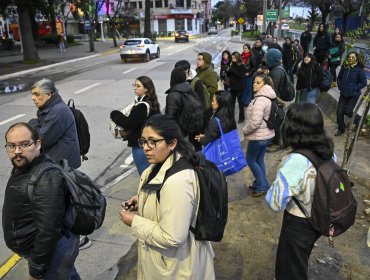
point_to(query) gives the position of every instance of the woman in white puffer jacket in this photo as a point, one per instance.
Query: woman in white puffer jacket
(257, 133)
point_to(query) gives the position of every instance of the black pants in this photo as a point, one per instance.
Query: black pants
(333, 71)
(238, 94)
(296, 241)
(346, 105)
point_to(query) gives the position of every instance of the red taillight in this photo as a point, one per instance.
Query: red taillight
(140, 46)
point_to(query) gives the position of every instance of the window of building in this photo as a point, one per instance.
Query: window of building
(179, 24)
(159, 4)
(165, 3)
(152, 4)
(132, 5)
(188, 4)
(140, 4)
(179, 3)
(190, 24)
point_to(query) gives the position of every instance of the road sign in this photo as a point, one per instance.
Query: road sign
(271, 14)
(286, 12)
(87, 24)
(240, 20)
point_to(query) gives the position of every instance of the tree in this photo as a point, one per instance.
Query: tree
(147, 32)
(348, 6)
(112, 19)
(313, 15)
(222, 12)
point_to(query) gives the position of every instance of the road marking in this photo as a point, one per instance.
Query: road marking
(87, 88)
(129, 159)
(8, 265)
(119, 178)
(132, 69)
(12, 119)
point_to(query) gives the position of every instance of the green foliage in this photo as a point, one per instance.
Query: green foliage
(251, 34)
(356, 34)
(50, 39)
(70, 39)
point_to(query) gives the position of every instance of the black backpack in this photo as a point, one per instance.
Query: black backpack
(191, 116)
(326, 81)
(334, 206)
(207, 95)
(288, 92)
(277, 114)
(82, 129)
(213, 204)
(85, 204)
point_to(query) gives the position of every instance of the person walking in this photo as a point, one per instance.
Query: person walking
(161, 219)
(224, 65)
(303, 128)
(306, 38)
(146, 104)
(257, 133)
(335, 56)
(247, 81)
(35, 230)
(310, 76)
(321, 45)
(61, 42)
(351, 79)
(236, 73)
(290, 56)
(223, 107)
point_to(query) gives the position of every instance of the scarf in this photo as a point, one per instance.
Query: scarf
(349, 64)
(245, 56)
(225, 61)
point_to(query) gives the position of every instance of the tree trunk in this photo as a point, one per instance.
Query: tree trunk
(53, 21)
(92, 38)
(29, 50)
(147, 32)
(34, 26)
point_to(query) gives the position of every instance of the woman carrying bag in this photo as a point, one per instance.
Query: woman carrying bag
(145, 97)
(257, 133)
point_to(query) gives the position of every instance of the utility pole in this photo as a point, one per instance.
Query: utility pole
(264, 15)
(280, 18)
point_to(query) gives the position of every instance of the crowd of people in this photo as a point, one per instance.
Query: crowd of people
(162, 220)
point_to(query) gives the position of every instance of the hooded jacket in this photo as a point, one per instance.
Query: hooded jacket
(277, 72)
(322, 42)
(306, 38)
(310, 75)
(257, 112)
(207, 74)
(166, 247)
(33, 229)
(58, 133)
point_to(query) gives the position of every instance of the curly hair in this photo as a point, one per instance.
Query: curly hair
(303, 128)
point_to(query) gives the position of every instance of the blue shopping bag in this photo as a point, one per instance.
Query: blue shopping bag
(226, 152)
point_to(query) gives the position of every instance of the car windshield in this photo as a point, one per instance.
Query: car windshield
(132, 42)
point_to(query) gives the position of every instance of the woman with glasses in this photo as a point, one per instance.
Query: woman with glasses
(161, 214)
(146, 104)
(351, 79)
(222, 104)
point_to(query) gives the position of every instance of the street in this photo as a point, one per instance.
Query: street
(101, 84)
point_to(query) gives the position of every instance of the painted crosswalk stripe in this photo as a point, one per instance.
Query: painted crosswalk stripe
(132, 69)
(87, 88)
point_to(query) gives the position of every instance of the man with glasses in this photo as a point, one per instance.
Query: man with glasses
(35, 230)
(56, 126)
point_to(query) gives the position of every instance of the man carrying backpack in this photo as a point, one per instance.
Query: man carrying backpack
(57, 128)
(36, 232)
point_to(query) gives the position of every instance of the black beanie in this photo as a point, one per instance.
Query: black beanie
(178, 76)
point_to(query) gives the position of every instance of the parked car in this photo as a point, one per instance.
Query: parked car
(181, 35)
(139, 48)
(212, 30)
(285, 26)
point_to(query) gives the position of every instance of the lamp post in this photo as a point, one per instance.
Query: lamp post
(102, 29)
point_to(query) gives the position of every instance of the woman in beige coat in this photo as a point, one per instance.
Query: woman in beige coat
(257, 133)
(165, 211)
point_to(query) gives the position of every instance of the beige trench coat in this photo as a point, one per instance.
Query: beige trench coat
(166, 247)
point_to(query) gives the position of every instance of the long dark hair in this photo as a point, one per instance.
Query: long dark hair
(225, 110)
(167, 127)
(228, 55)
(303, 128)
(150, 92)
(238, 57)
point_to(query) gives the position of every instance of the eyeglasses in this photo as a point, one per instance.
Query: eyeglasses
(136, 86)
(152, 143)
(13, 147)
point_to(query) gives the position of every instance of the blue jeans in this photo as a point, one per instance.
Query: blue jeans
(140, 160)
(256, 161)
(62, 263)
(247, 90)
(311, 95)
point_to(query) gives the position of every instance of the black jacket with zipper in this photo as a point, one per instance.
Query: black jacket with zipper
(309, 76)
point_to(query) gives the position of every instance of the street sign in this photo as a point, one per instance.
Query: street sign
(286, 12)
(240, 20)
(87, 25)
(271, 14)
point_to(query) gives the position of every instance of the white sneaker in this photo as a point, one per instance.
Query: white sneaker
(85, 242)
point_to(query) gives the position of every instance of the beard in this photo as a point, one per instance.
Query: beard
(20, 161)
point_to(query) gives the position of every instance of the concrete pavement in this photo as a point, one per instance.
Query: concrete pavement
(114, 238)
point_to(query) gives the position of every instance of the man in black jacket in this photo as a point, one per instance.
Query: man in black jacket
(35, 230)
